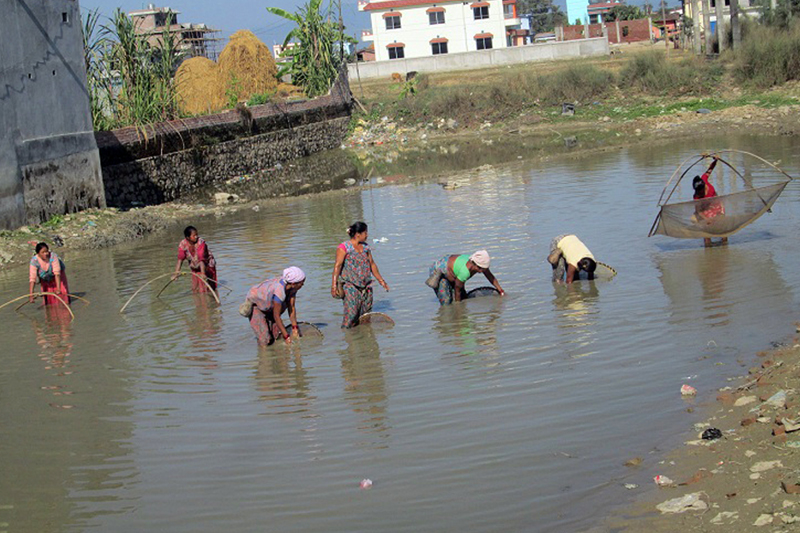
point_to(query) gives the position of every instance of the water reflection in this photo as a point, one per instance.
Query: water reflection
(469, 328)
(706, 286)
(576, 307)
(365, 383)
(282, 381)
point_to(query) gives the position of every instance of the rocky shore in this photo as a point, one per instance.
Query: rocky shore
(739, 471)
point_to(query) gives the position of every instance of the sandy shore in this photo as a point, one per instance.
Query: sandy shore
(746, 480)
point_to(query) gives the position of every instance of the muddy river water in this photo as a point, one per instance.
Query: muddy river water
(499, 414)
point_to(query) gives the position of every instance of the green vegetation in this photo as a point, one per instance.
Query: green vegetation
(651, 73)
(769, 56)
(316, 56)
(263, 98)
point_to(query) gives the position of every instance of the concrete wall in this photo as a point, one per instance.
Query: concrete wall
(483, 59)
(49, 163)
(175, 158)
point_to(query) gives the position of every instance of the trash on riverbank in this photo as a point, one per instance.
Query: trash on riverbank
(688, 390)
(663, 481)
(711, 434)
(689, 502)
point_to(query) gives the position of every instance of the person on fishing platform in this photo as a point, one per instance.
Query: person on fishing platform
(448, 275)
(49, 270)
(201, 261)
(269, 299)
(712, 208)
(568, 257)
(352, 275)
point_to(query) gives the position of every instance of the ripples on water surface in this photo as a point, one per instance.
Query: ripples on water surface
(498, 415)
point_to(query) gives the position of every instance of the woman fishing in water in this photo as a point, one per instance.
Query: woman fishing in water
(268, 300)
(201, 262)
(449, 274)
(352, 275)
(49, 270)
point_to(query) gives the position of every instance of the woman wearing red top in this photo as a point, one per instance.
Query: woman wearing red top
(49, 270)
(201, 261)
(707, 211)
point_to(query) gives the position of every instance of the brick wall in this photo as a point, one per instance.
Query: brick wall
(637, 30)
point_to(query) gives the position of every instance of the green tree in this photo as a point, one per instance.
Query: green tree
(316, 55)
(624, 12)
(543, 14)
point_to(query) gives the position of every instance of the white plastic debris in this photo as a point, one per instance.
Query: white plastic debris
(366, 484)
(663, 481)
(688, 390)
(631, 486)
(689, 502)
(763, 466)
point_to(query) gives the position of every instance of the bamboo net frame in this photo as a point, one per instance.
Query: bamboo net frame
(213, 292)
(696, 159)
(35, 294)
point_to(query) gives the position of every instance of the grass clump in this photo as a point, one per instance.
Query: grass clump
(651, 73)
(769, 56)
(577, 83)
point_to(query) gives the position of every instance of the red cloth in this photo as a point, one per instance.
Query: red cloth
(200, 254)
(50, 286)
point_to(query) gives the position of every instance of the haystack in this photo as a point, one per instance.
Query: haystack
(199, 86)
(246, 66)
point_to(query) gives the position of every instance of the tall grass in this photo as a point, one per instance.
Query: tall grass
(769, 56)
(652, 73)
(130, 81)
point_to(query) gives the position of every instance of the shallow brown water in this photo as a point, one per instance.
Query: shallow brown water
(494, 415)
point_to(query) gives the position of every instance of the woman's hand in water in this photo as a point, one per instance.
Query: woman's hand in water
(296, 332)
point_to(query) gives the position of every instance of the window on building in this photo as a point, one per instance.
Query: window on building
(481, 12)
(397, 52)
(393, 22)
(508, 11)
(438, 48)
(65, 17)
(484, 43)
(625, 31)
(436, 17)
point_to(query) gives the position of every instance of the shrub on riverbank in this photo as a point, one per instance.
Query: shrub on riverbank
(770, 56)
(651, 73)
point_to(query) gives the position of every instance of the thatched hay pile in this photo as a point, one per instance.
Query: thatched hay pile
(246, 66)
(199, 87)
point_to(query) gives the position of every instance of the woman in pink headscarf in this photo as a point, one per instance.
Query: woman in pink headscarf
(269, 300)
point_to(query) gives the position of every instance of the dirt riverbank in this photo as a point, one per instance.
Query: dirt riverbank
(746, 480)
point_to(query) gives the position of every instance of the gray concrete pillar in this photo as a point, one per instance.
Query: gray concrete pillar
(619, 38)
(720, 24)
(736, 29)
(696, 14)
(707, 25)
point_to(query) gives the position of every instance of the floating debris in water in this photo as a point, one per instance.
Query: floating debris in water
(366, 484)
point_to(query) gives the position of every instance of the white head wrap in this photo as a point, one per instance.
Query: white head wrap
(481, 258)
(293, 275)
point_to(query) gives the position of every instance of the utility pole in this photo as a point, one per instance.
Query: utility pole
(736, 29)
(664, 23)
(720, 5)
(707, 24)
(696, 14)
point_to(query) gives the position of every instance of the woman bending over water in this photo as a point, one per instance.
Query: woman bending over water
(49, 270)
(270, 299)
(353, 270)
(449, 274)
(201, 262)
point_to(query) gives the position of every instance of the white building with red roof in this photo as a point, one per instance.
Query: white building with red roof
(425, 28)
